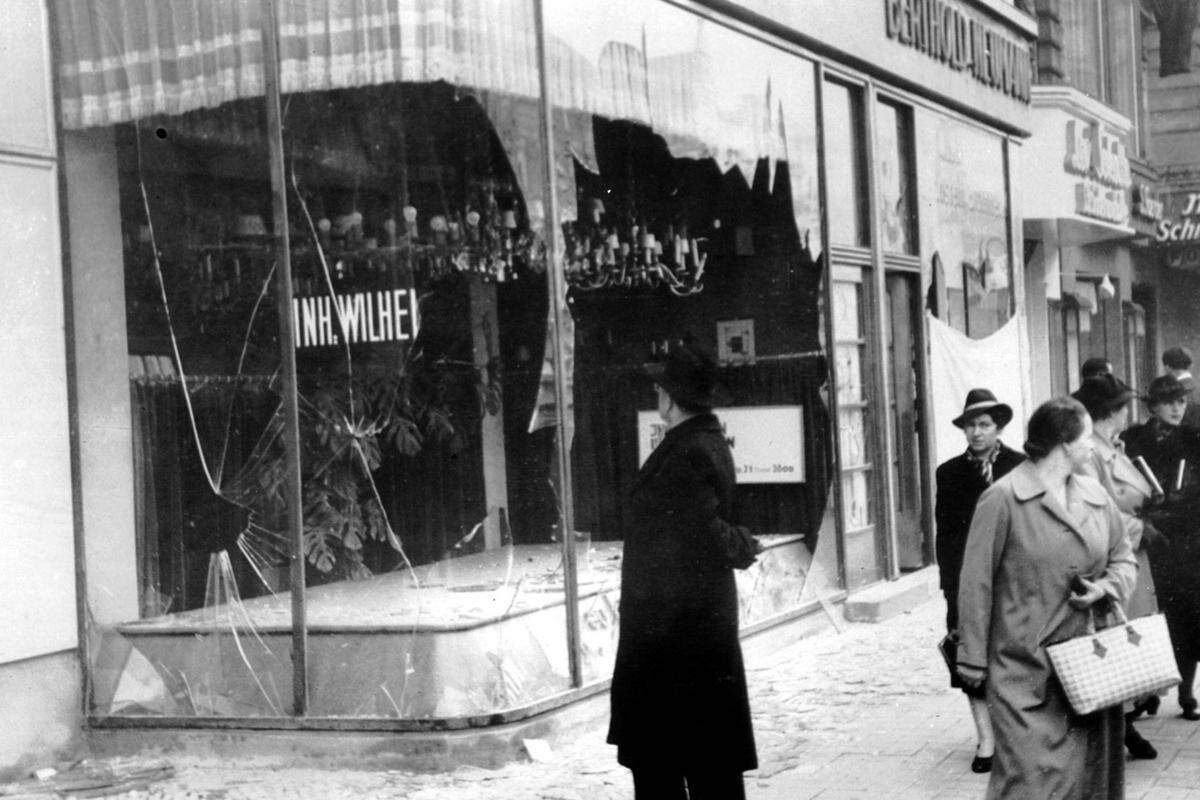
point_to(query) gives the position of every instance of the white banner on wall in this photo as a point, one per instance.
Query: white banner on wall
(767, 442)
(958, 364)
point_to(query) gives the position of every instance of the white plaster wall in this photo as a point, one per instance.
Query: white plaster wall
(37, 595)
(40, 718)
(102, 374)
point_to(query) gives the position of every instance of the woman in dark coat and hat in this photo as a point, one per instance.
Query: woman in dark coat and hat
(960, 481)
(1172, 451)
(680, 710)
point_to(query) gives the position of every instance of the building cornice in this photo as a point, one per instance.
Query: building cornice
(1074, 101)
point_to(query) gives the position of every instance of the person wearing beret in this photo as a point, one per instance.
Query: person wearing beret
(680, 707)
(1106, 399)
(1172, 451)
(960, 481)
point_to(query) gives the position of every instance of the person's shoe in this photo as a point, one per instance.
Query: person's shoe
(1138, 746)
(981, 764)
(1188, 704)
(1148, 706)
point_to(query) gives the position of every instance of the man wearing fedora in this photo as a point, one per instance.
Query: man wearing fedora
(960, 482)
(680, 708)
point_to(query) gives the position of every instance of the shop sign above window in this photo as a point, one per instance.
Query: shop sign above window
(1146, 203)
(1178, 233)
(1185, 232)
(943, 32)
(1099, 158)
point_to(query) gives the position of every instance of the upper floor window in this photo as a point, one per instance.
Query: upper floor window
(1101, 52)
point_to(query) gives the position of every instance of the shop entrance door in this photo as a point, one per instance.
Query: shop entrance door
(901, 329)
(856, 402)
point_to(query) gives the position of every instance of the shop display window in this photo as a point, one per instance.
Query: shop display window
(966, 236)
(438, 460)
(694, 167)
(845, 171)
(895, 178)
(413, 176)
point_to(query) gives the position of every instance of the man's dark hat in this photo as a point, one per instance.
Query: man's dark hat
(1177, 358)
(688, 374)
(1102, 394)
(1164, 389)
(1094, 366)
(982, 401)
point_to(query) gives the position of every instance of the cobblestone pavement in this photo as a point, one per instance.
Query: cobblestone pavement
(864, 713)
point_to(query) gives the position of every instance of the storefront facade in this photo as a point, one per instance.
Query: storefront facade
(1094, 200)
(395, 500)
(1079, 237)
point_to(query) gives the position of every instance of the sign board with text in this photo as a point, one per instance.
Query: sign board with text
(767, 442)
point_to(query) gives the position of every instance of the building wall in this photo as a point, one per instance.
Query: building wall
(39, 681)
(1174, 123)
(39, 706)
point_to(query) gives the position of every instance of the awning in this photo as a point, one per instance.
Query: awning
(123, 60)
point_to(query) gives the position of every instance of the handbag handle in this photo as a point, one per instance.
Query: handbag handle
(1117, 609)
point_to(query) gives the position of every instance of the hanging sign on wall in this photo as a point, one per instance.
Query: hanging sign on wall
(767, 442)
(942, 31)
(1177, 234)
(1098, 157)
(1183, 226)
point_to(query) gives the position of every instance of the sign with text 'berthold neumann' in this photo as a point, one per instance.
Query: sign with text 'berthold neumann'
(366, 317)
(943, 30)
(767, 442)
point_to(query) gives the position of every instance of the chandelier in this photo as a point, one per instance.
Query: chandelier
(633, 257)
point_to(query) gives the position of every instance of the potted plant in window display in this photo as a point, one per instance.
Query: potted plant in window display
(374, 424)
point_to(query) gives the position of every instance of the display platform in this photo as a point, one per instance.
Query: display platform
(477, 635)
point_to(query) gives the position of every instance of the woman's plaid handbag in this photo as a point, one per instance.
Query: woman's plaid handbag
(1108, 667)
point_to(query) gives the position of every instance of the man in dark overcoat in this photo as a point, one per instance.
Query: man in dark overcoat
(1172, 452)
(680, 709)
(960, 482)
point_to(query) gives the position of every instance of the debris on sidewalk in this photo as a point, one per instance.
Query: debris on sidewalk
(88, 778)
(538, 750)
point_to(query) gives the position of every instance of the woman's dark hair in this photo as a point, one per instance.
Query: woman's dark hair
(1055, 422)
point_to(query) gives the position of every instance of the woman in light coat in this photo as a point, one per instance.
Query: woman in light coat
(1106, 399)
(1034, 531)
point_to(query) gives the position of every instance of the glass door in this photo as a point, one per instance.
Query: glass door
(864, 553)
(903, 313)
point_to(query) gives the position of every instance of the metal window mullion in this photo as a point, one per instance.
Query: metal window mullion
(882, 363)
(557, 289)
(287, 353)
(831, 361)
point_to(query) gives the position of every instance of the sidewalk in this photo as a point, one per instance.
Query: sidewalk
(865, 713)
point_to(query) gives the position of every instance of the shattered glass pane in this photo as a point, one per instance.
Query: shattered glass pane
(212, 635)
(431, 530)
(693, 155)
